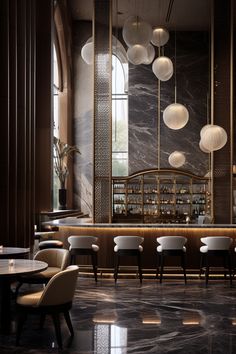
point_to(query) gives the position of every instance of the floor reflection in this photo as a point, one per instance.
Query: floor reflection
(129, 318)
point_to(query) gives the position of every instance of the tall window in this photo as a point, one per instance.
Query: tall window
(55, 122)
(55, 94)
(119, 117)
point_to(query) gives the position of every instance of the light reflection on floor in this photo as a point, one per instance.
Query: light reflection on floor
(151, 318)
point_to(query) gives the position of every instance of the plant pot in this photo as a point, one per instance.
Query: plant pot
(62, 199)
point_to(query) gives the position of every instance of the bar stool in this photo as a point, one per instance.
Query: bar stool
(84, 245)
(171, 246)
(128, 246)
(50, 244)
(215, 246)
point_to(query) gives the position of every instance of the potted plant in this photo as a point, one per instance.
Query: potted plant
(61, 153)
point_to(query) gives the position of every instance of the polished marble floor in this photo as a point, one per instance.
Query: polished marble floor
(151, 318)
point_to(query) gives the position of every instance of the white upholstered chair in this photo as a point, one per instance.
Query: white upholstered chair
(128, 246)
(171, 246)
(56, 298)
(84, 245)
(215, 247)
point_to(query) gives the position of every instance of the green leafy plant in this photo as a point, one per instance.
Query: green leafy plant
(61, 153)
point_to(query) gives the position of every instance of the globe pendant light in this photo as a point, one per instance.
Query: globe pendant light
(175, 116)
(137, 54)
(160, 36)
(204, 129)
(87, 53)
(136, 31)
(177, 159)
(214, 137)
(163, 68)
(202, 147)
(150, 55)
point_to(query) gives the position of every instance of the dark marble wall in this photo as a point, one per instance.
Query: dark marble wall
(192, 64)
(192, 79)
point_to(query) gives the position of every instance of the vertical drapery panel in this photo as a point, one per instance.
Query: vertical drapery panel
(102, 111)
(18, 97)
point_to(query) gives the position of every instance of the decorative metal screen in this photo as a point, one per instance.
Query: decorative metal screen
(102, 111)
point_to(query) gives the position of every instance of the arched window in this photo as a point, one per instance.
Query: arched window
(119, 117)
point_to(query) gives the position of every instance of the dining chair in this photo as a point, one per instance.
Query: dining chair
(57, 260)
(128, 246)
(215, 247)
(56, 298)
(84, 245)
(171, 246)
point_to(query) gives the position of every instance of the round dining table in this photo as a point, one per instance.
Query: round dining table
(13, 252)
(10, 269)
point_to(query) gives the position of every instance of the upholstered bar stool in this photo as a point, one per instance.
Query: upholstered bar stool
(50, 244)
(128, 246)
(215, 247)
(171, 246)
(84, 245)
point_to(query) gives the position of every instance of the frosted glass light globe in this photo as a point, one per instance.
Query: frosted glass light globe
(137, 54)
(214, 138)
(160, 36)
(204, 129)
(163, 68)
(175, 116)
(150, 54)
(136, 31)
(176, 159)
(87, 53)
(202, 147)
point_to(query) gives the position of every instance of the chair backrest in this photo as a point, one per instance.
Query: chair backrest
(128, 242)
(172, 242)
(54, 257)
(61, 288)
(217, 242)
(82, 241)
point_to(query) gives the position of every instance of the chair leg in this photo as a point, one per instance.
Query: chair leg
(162, 267)
(140, 268)
(69, 323)
(22, 316)
(94, 263)
(207, 269)
(116, 269)
(184, 267)
(42, 320)
(230, 269)
(201, 265)
(225, 265)
(56, 321)
(158, 265)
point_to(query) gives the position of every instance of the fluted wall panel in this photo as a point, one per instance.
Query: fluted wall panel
(18, 98)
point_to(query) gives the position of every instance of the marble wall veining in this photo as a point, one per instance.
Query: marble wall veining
(192, 60)
(192, 77)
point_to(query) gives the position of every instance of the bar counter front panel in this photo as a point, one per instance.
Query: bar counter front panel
(106, 233)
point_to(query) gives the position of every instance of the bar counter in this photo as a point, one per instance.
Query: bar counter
(106, 233)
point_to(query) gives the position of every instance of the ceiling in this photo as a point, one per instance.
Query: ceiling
(183, 15)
